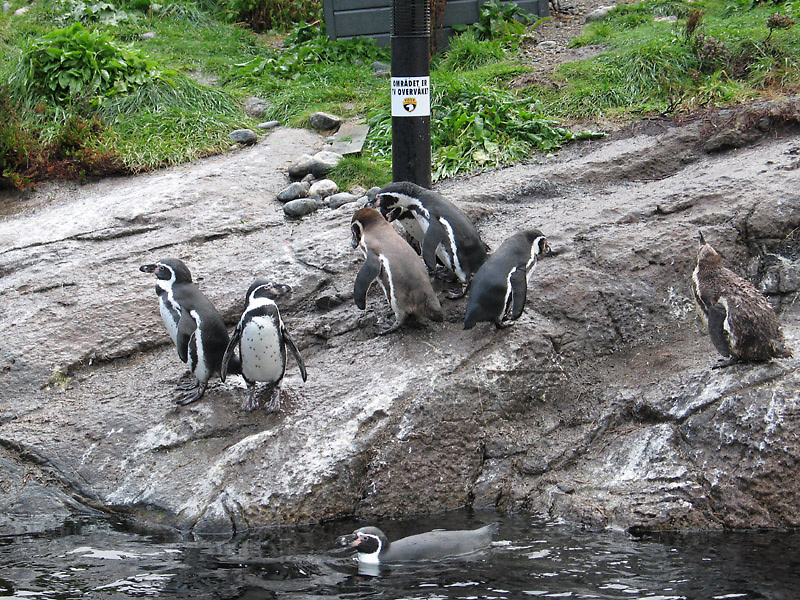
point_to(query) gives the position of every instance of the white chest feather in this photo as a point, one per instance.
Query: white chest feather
(260, 348)
(170, 311)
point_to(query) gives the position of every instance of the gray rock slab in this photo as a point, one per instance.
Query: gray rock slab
(598, 405)
(350, 138)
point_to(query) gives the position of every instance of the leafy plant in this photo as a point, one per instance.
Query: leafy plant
(97, 11)
(308, 47)
(498, 19)
(75, 62)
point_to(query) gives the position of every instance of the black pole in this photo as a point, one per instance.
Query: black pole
(410, 88)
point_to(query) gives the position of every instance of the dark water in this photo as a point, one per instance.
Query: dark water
(531, 559)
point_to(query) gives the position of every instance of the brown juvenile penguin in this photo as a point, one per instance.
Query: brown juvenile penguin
(396, 266)
(741, 322)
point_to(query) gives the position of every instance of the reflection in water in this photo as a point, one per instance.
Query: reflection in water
(530, 559)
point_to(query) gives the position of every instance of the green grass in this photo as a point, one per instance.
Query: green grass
(204, 65)
(661, 67)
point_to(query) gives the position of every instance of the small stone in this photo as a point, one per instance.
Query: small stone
(6, 7)
(666, 19)
(243, 136)
(255, 107)
(268, 125)
(300, 207)
(324, 161)
(301, 167)
(323, 188)
(324, 122)
(380, 69)
(21, 11)
(298, 189)
(340, 199)
(148, 36)
(547, 44)
(601, 12)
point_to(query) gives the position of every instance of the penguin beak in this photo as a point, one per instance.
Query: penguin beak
(348, 540)
(702, 239)
(148, 268)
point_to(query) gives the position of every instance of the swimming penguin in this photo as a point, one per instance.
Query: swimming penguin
(741, 322)
(374, 548)
(499, 287)
(194, 325)
(391, 261)
(438, 225)
(262, 339)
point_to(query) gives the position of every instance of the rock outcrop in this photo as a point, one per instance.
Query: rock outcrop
(598, 405)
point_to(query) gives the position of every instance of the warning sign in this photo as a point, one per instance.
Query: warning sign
(411, 96)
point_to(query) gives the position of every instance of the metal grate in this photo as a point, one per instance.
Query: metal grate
(411, 17)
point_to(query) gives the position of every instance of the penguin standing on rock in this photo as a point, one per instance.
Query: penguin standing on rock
(193, 324)
(374, 548)
(438, 225)
(741, 322)
(500, 286)
(391, 261)
(262, 339)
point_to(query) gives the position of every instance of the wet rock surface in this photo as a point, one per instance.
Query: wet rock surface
(598, 405)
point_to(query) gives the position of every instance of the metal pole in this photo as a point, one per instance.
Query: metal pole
(411, 91)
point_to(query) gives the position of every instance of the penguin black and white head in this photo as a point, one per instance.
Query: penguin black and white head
(741, 322)
(500, 286)
(262, 340)
(169, 273)
(374, 548)
(441, 228)
(199, 333)
(392, 262)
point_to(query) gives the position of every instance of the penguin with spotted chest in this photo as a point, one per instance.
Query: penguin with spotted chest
(194, 325)
(741, 322)
(262, 340)
(398, 269)
(442, 229)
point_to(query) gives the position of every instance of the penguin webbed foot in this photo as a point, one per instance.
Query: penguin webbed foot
(503, 324)
(185, 385)
(195, 395)
(389, 326)
(274, 404)
(251, 403)
(725, 362)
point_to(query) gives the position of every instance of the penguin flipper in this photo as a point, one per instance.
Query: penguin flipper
(433, 237)
(369, 271)
(716, 329)
(300, 364)
(229, 351)
(186, 327)
(519, 290)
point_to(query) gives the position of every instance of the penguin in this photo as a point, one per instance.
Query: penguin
(439, 226)
(262, 339)
(193, 324)
(400, 272)
(741, 322)
(499, 287)
(374, 548)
